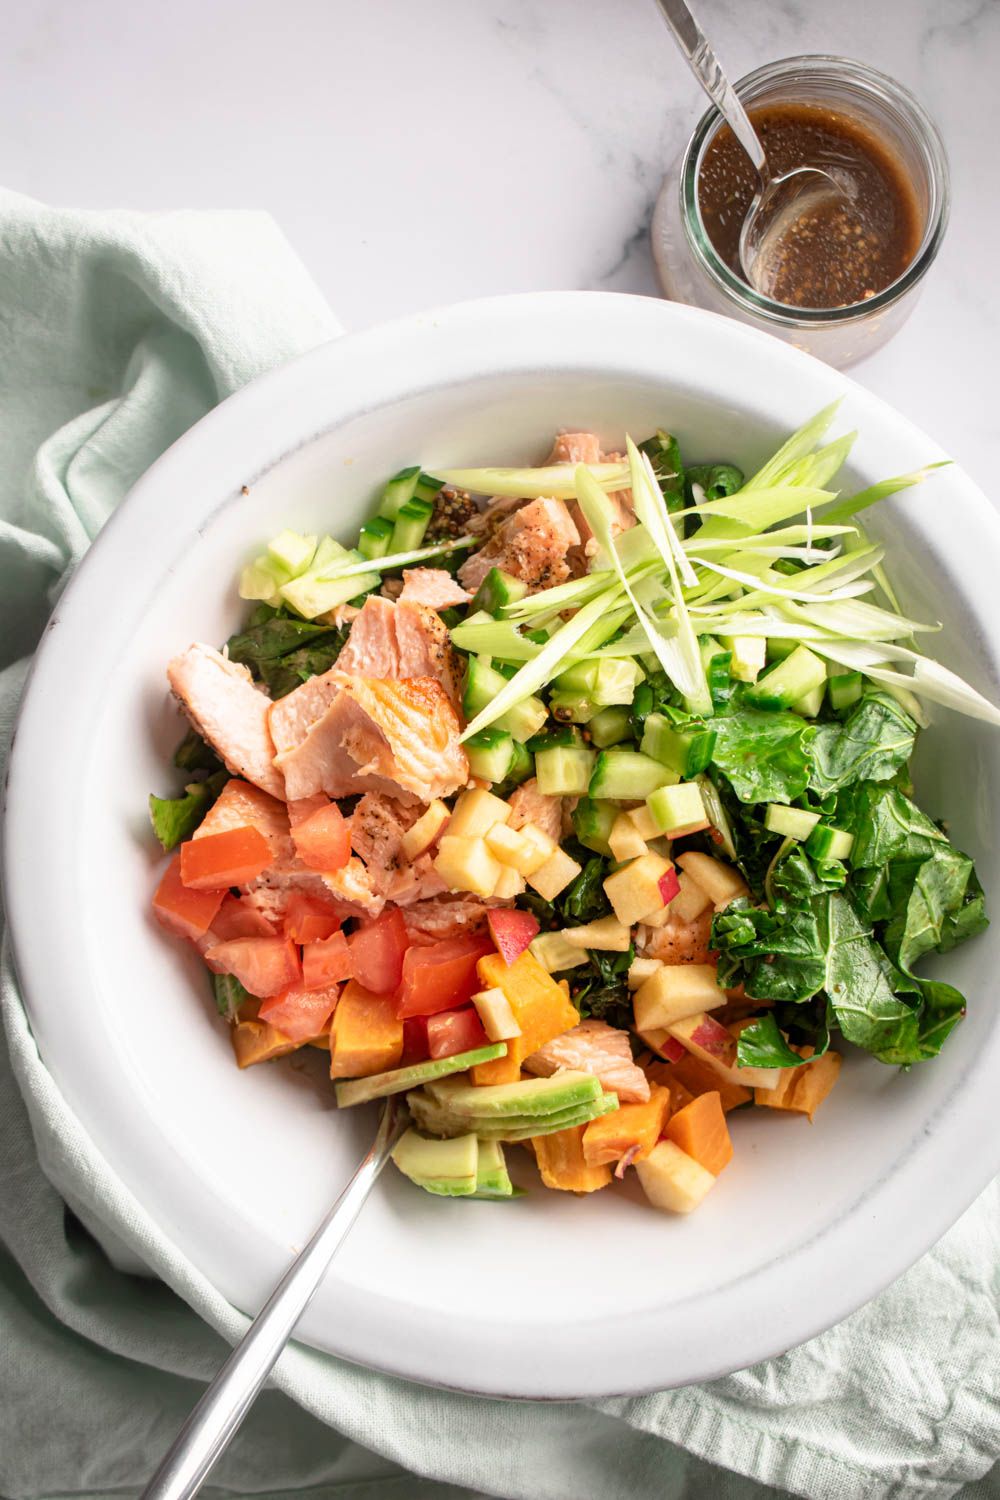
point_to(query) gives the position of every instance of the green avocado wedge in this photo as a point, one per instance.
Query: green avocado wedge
(437, 1119)
(492, 1177)
(528, 1097)
(447, 1168)
(361, 1090)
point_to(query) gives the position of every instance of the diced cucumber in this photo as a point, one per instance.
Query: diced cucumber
(564, 773)
(617, 679)
(558, 737)
(537, 637)
(610, 726)
(790, 822)
(826, 842)
(491, 754)
(292, 551)
(522, 766)
(593, 822)
(497, 589)
(628, 776)
(791, 679)
(717, 662)
(412, 520)
(718, 817)
(554, 953)
(312, 594)
(810, 703)
(375, 537)
(780, 646)
(482, 685)
(686, 751)
(677, 807)
(506, 669)
(427, 487)
(581, 677)
(843, 690)
(401, 488)
(573, 706)
(749, 655)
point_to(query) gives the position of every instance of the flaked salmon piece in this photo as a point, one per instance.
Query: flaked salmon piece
(585, 448)
(678, 942)
(446, 916)
(241, 805)
(597, 1048)
(399, 738)
(531, 545)
(290, 718)
(378, 824)
(575, 448)
(529, 805)
(355, 886)
(393, 641)
(497, 510)
(220, 699)
(433, 587)
(415, 882)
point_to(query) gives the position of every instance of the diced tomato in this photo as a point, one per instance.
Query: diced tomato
(308, 920)
(377, 951)
(415, 1045)
(323, 840)
(300, 808)
(452, 1031)
(187, 913)
(442, 975)
(669, 886)
(237, 918)
(326, 962)
(298, 1012)
(264, 966)
(511, 931)
(222, 859)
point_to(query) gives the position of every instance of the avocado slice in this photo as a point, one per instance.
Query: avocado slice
(435, 1117)
(492, 1177)
(527, 1097)
(447, 1168)
(360, 1090)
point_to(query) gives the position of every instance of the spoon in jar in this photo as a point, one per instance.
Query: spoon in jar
(782, 199)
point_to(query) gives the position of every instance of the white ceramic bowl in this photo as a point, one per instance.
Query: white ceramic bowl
(550, 1295)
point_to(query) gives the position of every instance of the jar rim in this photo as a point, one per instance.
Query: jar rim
(882, 89)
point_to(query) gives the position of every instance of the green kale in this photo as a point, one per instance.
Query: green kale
(584, 900)
(283, 651)
(763, 752)
(663, 452)
(601, 990)
(175, 819)
(761, 1045)
(229, 995)
(717, 481)
(872, 743)
(194, 754)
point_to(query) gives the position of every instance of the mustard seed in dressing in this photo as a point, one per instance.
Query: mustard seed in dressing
(839, 251)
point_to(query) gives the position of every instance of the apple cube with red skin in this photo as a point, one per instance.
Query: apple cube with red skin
(511, 932)
(635, 890)
(663, 1044)
(675, 991)
(709, 1041)
(669, 885)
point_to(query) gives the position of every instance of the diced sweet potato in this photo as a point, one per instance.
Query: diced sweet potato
(255, 1042)
(366, 1036)
(631, 1127)
(562, 1163)
(700, 1130)
(802, 1090)
(540, 1007)
(698, 1079)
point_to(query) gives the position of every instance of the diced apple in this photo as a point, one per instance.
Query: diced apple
(420, 837)
(554, 875)
(634, 891)
(606, 936)
(511, 848)
(624, 840)
(499, 1021)
(475, 813)
(674, 992)
(640, 970)
(713, 1045)
(466, 864)
(509, 884)
(554, 954)
(663, 1044)
(540, 841)
(691, 900)
(721, 883)
(643, 821)
(672, 1180)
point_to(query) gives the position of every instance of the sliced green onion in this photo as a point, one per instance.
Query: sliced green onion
(554, 481)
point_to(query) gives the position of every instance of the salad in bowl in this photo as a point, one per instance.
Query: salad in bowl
(574, 804)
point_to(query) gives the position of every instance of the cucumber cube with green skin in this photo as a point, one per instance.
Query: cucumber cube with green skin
(628, 776)
(616, 682)
(312, 594)
(686, 751)
(581, 677)
(790, 822)
(809, 705)
(592, 823)
(843, 689)
(292, 551)
(492, 1177)
(564, 773)
(826, 842)
(397, 1080)
(522, 766)
(491, 754)
(497, 589)
(427, 487)
(375, 537)
(717, 662)
(401, 488)
(448, 1168)
(790, 680)
(748, 656)
(482, 684)
(412, 521)
(780, 646)
(676, 807)
(610, 726)
(572, 706)
(558, 737)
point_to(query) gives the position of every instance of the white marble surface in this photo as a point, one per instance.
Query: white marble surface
(422, 153)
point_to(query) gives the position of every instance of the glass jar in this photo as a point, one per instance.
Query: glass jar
(690, 269)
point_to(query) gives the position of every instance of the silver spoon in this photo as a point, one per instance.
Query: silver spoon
(213, 1423)
(780, 199)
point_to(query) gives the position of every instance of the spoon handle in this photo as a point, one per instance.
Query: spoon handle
(217, 1416)
(708, 70)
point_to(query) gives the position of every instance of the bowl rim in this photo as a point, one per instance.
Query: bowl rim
(879, 1236)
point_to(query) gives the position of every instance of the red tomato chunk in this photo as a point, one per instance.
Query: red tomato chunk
(377, 951)
(237, 919)
(453, 1031)
(187, 913)
(222, 859)
(415, 1045)
(263, 966)
(326, 962)
(441, 975)
(323, 840)
(308, 920)
(300, 1013)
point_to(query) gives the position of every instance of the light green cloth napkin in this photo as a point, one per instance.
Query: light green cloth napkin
(119, 330)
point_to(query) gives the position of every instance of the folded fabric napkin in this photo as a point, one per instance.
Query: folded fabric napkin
(119, 331)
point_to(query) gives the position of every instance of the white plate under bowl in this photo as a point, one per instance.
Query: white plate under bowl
(548, 1296)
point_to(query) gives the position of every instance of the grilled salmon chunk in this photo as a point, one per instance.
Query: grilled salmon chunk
(394, 641)
(433, 587)
(531, 545)
(529, 805)
(597, 1048)
(399, 738)
(220, 699)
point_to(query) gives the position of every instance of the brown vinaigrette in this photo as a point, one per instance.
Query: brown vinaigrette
(837, 252)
